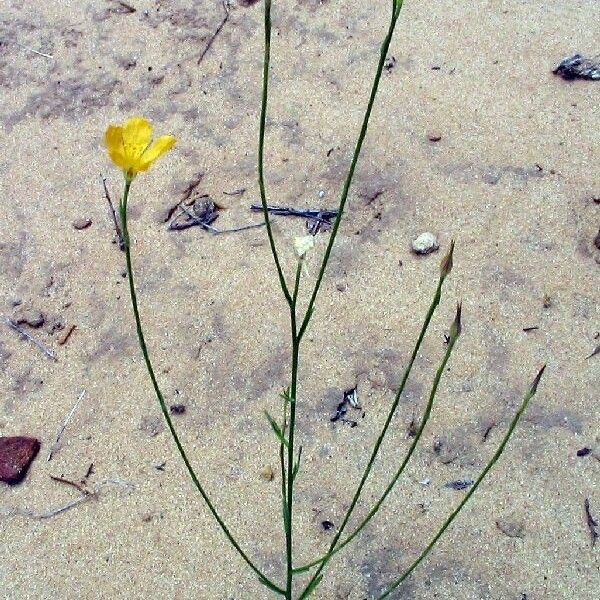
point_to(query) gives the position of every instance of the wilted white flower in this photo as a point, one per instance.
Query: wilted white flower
(302, 244)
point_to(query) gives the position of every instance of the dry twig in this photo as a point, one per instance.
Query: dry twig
(59, 435)
(49, 353)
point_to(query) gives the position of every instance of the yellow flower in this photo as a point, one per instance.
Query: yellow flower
(131, 148)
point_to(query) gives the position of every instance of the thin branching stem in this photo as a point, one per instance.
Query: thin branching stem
(290, 460)
(161, 400)
(261, 152)
(334, 548)
(361, 138)
(413, 446)
(528, 396)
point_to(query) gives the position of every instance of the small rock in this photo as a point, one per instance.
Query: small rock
(327, 525)
(29, 316)
(177, 409)
(426, 243)
(434, 136)
(341, 286)
(510, 528)
(16, 454)
(597, 240)
(82, 223)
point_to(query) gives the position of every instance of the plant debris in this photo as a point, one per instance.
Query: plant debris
(317, 219)
(49, 353)
(113, 214)
(26, 315)
(595, 351)
(64, 338)
(177, 409)
(591, 522)
(350, 399)
(202, 211)
(61, 431)
(528, 329)
(217, 31)
(16, 455)
(578, 67)
(459, 484)
(86, 494)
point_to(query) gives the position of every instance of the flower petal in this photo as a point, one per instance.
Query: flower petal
(161, 145)
(113, 138)
(137, 135)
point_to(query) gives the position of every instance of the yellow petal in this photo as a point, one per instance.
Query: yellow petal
(137, 135)
(113, 139)
(163, 144)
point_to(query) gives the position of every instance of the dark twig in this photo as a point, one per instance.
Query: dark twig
(113, 214)
(591, 522)
(235, 192)
(74, 484)
(321, 215)
(202, 222)
(51, 355)
(217, 31)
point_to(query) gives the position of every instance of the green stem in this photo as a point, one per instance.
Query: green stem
(530, 394)
(407, 458)
(344, 197)
(322, 562)
(161, 400)
(290, 460)
(261, 151)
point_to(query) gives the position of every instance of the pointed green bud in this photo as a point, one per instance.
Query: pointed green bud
(456, 327)
(536, 381)
(446, 264)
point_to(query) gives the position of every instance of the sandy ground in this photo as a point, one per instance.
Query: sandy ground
(513, 179)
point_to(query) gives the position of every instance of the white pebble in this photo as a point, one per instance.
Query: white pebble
(425, 243)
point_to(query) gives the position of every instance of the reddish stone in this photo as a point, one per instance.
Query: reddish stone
(16, 454)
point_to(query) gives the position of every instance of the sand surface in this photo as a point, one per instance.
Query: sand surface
(514, 178)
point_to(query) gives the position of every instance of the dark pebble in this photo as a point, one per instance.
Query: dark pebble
(16, 454)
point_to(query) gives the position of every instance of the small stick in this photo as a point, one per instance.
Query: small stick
(74, 484)
(322, 215)
(591, 522)
(64, 338)
(113, 213)
(41, 346)
(86, 495)
(213, 37)
(197, 221)
(235, 192)
(34, 51)
(59, 435)
(594, 352)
